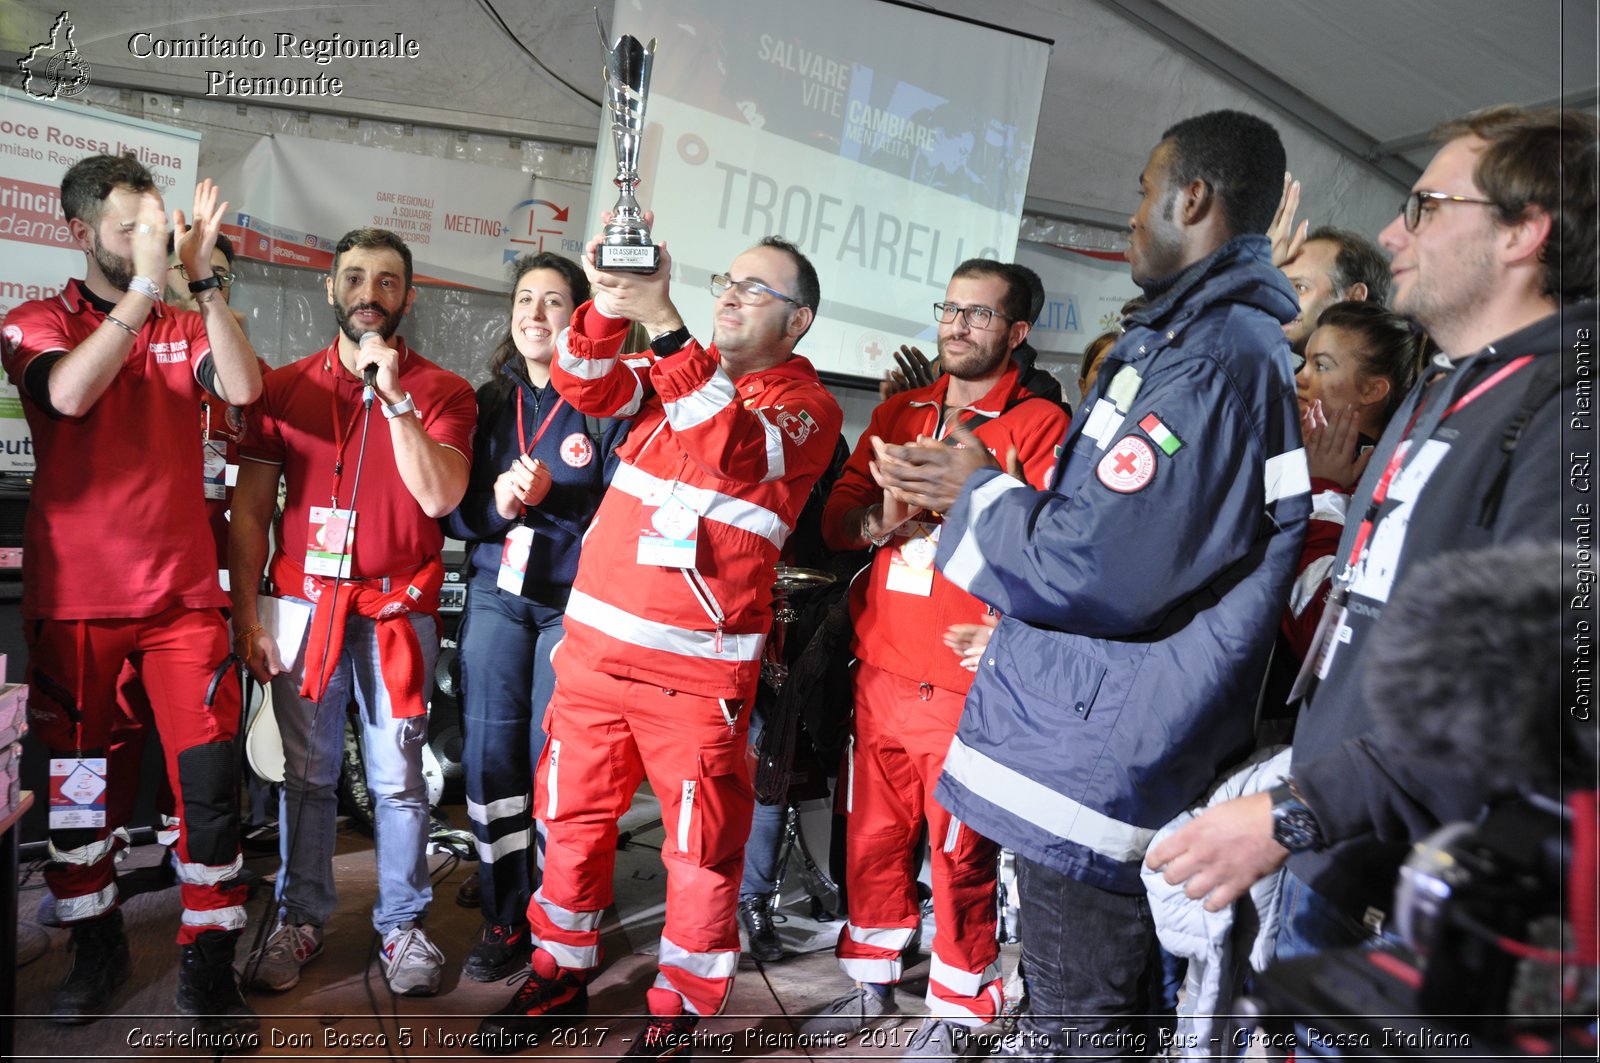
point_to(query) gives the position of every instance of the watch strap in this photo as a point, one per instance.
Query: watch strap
(209, 281)
(404, 406)
(670, 342)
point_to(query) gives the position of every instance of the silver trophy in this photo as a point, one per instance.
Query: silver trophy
(626, 246)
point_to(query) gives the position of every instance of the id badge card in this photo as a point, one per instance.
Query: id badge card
(331, 542)
(911, 560)
(77, 793)
(1331, 632)
(217, 473)
(514, 559)
(669, 533)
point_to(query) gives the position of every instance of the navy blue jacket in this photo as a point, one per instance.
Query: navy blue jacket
(579, 473)
(1141, 594)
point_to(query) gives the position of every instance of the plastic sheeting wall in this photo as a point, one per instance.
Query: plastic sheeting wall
(287, 308)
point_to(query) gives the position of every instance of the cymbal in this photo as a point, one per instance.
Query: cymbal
(792, 578)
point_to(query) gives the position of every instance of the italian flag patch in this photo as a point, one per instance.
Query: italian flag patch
(1161, 435)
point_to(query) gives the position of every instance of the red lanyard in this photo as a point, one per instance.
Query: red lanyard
(526, 447)
(1380, 491)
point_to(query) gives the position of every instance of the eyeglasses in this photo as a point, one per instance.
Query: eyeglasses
(978, 317)
(226, 276)
(748, 291)
(1411, 209)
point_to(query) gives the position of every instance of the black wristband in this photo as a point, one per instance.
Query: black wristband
(670, 342)
(212, 281)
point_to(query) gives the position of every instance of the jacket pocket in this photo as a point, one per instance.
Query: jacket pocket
(715, 806)
(1051, 672)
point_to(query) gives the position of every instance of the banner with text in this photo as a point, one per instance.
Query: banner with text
(887, 166)
(39, 142)
(463, 222)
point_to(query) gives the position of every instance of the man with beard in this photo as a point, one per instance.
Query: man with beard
(121, 568)
(667, 621)
(359, 540)
(1494, 255)
(909, 687)
(1140, 594)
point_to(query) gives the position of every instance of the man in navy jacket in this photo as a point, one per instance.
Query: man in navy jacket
(1494, 254)
(1139, 594)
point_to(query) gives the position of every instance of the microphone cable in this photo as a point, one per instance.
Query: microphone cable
(293, 837)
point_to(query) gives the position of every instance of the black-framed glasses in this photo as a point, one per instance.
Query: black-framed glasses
(978, 317)
(748, 291)
(226, 276)
(1411, 209)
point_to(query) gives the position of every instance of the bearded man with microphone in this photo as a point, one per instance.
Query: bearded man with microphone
(359, 543)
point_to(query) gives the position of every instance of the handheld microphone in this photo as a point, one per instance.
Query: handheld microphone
(369, 376)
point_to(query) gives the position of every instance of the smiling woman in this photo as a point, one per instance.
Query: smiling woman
(538, 470)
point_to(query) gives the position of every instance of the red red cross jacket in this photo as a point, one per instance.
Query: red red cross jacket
(899, 621)
(740, 455)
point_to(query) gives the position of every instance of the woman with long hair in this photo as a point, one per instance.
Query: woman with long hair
(539, 468)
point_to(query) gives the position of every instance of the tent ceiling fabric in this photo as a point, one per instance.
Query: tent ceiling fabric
(1386, 69)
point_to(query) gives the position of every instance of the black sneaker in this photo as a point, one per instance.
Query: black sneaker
(100, 963)
(755, 919)
(500, 951)
(550, 999)
(208, 989)
(665, 1037)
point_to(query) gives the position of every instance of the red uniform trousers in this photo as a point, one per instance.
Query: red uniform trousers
(125, 757)
(73, 672)
(608, 733)
(902, 732)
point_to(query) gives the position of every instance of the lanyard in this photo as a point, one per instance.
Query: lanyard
(1380, 491)
(522, 443)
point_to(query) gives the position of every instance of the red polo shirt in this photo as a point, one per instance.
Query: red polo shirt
(116, 527)
(309, 420)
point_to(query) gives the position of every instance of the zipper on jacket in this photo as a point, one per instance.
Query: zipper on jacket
(708, 602)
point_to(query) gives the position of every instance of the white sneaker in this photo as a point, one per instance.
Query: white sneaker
(411, 963)
(291, 947)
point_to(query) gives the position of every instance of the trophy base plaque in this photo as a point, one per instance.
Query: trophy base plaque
(627, 258)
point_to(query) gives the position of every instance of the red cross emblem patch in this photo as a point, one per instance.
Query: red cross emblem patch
(1128, 466)
(577, 450)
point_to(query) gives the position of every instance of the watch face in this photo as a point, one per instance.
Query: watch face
(1294, 828)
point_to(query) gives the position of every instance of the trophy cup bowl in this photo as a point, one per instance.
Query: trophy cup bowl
(626, 246)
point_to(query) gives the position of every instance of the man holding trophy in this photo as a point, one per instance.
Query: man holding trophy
(671, 604)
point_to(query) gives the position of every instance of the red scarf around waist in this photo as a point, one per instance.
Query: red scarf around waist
(399, 651)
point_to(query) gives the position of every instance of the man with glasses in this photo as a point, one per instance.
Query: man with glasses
(909, 686)
(1139, 594)
(666, 623)
(1494, 254)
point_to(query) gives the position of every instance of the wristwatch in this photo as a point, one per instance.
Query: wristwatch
(405, 405)
(145, 287)
(670, 342)
(210, 280)
(1294, 825)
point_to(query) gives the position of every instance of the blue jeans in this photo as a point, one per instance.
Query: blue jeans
(766, 832)
(506, 682)
(1092, 966)
(1311, 923)
(393, 752)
